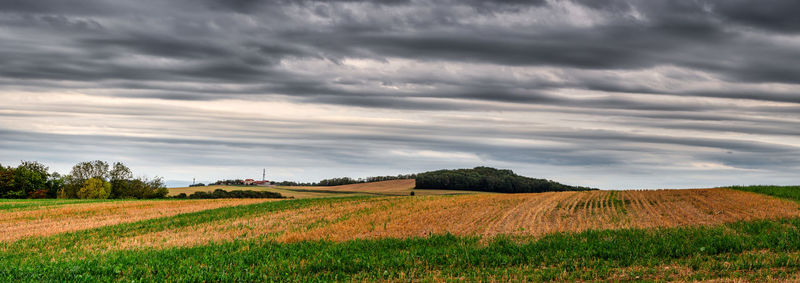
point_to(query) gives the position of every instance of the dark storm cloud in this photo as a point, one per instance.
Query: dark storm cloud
(775, 15)
(58, 7)
(217, 45)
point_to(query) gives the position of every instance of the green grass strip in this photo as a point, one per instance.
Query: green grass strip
(32, 204)
(590, 255)
(787, 192)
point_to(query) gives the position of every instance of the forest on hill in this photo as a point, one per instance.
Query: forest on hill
(489, 180)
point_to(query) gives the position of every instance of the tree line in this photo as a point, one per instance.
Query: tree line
(230, 182)
(347, 180)
(220, 193)
(490, 180)
(87, 180)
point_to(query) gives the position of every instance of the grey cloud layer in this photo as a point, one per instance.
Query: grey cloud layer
(632, 83)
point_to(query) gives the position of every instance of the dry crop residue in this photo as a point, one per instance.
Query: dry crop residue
(485, 215)
(73, 217)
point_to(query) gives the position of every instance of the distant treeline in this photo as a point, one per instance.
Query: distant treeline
(488, 179)
(348, 180)
(220, 193)
(91, 179)
(231, 182)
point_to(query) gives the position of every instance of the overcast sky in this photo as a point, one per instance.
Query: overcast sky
(612, 94)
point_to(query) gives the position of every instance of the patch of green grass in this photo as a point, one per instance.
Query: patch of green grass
(748, 250)
(31, 204)
(787, 192)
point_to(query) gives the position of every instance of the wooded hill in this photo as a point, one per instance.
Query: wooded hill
(489, 180)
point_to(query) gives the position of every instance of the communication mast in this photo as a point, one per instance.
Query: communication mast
(264, 175)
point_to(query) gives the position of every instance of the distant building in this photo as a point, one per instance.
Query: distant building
(249, 181)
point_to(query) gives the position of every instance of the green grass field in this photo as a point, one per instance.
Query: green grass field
(745, 250)
(760, 250)
(21, 204)
(787, 192)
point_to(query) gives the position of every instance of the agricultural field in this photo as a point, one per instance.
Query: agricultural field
(592, 235)
(786, 192)
(382, 188)
(392, 187)
(289, 193)
(27, 218)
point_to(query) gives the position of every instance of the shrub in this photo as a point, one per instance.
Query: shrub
(41, 193)
(95, 188)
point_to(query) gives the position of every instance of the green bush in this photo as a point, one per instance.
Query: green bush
(95, 188)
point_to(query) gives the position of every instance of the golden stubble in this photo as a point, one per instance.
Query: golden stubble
(268, 225)
(51, 220)
(482, 215)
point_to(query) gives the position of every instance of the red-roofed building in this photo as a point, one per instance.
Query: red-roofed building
(249, 181)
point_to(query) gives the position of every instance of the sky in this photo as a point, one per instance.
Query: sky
(612, 94)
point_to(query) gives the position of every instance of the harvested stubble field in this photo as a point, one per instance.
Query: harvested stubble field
(337, 238)
(31, 218)
(482, 215)
(400, 217)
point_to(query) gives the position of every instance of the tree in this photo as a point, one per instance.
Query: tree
(143, 188)
(95, 188)
(70, 187)
(30, 176)
(157, 188)
(90, 169)
(54, 184)
(81, 172)
(6, 180)
(120, 172)
(35, 166)
(120, 176)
